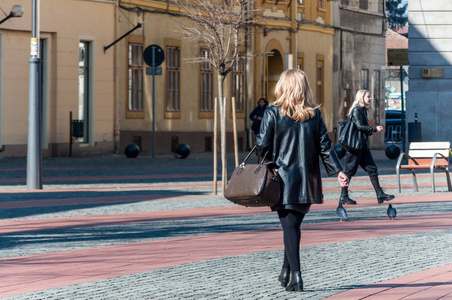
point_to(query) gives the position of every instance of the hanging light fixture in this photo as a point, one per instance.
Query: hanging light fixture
(16, 12)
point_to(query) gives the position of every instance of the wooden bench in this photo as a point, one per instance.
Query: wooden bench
(425, 155)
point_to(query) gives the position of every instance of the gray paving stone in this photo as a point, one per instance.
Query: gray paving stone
(327, 270)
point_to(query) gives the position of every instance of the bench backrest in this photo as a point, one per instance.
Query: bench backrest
(424, 151)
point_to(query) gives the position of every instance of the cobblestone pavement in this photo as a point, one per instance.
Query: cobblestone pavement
(109, 204)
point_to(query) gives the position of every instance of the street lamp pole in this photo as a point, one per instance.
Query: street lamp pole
(34, 159)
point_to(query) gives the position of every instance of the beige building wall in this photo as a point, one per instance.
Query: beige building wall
(299, 36)
(310, 41)
(317, 45)
(63, 24)
(190, 125)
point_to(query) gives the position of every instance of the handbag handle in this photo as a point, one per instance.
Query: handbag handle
(249, 154)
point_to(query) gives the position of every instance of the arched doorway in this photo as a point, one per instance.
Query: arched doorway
(273, 67)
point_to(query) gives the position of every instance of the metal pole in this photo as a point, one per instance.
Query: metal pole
(34, 159)
(153, 102)
(70, 133)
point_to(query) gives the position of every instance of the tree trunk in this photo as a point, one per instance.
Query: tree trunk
(234, 131)
(222, 106)
(215, 147)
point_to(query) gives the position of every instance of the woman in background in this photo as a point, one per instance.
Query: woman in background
(363, 157)
(257, 114)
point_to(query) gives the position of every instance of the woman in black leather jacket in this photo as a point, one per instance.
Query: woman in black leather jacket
(363, 158)
(294, 132)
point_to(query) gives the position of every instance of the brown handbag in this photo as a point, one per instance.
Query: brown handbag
(254, 184)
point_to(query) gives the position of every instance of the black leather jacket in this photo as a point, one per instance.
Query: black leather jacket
(360, 119)
(296, 148)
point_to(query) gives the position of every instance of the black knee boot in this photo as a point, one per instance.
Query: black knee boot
(296, 282)
(381, 196)
(344, 196)
(284, 277)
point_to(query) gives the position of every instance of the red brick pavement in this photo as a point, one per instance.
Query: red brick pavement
(56, 269)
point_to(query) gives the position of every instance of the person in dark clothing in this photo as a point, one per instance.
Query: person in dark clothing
(257, 114)
(363, 158)
(294, 132)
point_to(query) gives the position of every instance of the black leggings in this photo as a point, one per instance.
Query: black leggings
(291, 222)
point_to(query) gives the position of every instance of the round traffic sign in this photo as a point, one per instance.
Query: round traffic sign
(157, 52)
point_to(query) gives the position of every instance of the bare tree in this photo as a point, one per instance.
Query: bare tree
(219, 27)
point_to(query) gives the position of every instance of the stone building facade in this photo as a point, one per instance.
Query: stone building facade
(359, 58)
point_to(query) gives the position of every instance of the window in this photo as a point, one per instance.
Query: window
(135, 102)
(321, 3)
(206, 87)
(172, 78)
(365, 79)
(319, 79)
(376, 95)
(376, 84)
(364, 4)
(274, 2)
(300, 61)
(238, 84)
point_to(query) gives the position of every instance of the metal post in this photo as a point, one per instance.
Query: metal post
(403, 109)
(70, 133)
(34, 159)
(153, 102)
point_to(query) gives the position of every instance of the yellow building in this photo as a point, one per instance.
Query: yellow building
(77, 76)
(107, 88)
(290, 34)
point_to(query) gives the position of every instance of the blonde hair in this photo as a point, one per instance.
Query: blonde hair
(294, 96)
(359, 100)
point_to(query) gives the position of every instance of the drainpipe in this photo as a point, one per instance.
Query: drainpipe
(116, 125)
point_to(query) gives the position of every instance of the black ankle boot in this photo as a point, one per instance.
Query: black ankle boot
(381, 196)
(296, 283)
(344, 197)
(284, 277)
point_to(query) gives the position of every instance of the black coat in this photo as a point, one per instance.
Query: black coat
(360, 119)
(258, 111)
(296, 148)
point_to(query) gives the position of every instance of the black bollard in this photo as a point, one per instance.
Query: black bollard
(132, 150)
(392, 151)
(182, 151)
